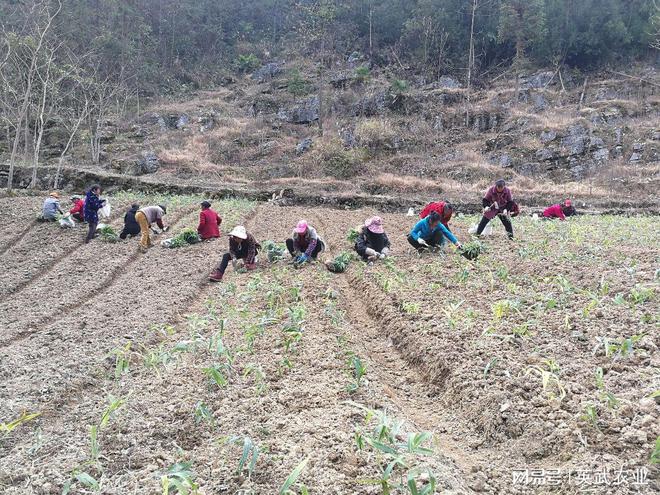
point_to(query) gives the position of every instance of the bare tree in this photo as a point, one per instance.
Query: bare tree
(470, 62)
(28, 56)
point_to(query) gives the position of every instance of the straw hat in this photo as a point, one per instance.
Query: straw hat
(239, 231)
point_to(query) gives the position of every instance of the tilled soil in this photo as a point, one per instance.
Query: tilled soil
(452, 347)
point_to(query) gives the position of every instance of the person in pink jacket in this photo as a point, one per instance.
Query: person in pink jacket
(497, 202)
(560, 211)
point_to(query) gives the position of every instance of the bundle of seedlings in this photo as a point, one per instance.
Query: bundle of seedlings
(340, 263)
(186, 237)
(354, 233)
(107, 234)
(471, 250)
(274, 251)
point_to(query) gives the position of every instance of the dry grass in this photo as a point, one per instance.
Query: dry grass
(376, 134)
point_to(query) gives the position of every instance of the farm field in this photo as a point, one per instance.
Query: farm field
(534, 369)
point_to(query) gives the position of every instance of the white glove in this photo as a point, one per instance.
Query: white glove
(422, 242)
(459, 245)
(486, 209)
(496, 205)
(505, 212)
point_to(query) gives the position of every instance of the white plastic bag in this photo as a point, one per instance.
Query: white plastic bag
(67, 222)
(486, 232)
(105, 211)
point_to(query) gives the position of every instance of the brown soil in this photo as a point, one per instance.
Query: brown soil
(462, 373)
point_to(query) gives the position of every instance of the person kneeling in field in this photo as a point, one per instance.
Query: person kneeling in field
(209, 222)
(560, 211)
(497, 202)
(304, 244)
(77, 210)
(372, 243)
(147, 216)
(242, 246)
(131, 227)
(51, 208)
(431, 233)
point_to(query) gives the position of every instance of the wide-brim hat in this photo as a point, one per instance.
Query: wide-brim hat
(239, 231)
(301, 228)
(375, 225)
(55, 195)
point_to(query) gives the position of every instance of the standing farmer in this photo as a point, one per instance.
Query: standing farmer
(93, 203)
(430, 232)
(145, 217)
(242, 246)
(51, 207)
(304, 244)
(497, 201)
(209, 222)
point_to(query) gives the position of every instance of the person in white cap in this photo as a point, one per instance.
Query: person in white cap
(304, 244)
(242, 246)
(372, 243)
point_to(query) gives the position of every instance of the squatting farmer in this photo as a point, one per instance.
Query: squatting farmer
(431, 233)
(77, 210)
(372, 244)
(242, 246)
(51, 207)
(305, 244)
(131, 226)
(209, 222)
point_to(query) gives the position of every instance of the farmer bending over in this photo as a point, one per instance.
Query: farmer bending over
(242, 246)
(131, 227)
(430, 232)
(304, 244)
(77, 210)
(51, 207)
(445, 210)
(559, 211)
(145, 217)
(497, 201)
(209, 222)
(372, 243)
(93, 203)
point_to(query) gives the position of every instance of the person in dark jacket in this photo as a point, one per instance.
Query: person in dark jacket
(372, 243)
(242, 246)
(131, 227)
(209, 222)
(498, 201)
(93, 203)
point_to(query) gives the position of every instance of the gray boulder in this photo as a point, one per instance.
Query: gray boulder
(147, 163)
(575, 141)
(545, 154)
(182, 121)
(303, 146)
(538, 80)
(539, 102)
(266, 72)
(506, 161)
(596, 143)
(303, 112)
(601, 155)
(548, 136)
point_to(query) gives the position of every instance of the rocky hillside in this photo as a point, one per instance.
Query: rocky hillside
(552, 133)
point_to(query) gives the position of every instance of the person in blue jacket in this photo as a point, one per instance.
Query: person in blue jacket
(429, 232)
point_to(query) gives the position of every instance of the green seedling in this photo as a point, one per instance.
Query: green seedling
(359, 369)
(640, 295)
(108, 234)
(259, 376)
(250, 451)
(655, 455)
(180, 480)
(410, 308)
(490, 365)
(122, 360)
(550, 382)
(111, 410)
(591, 415)
(203, 413)
(7, 428)
(292, 478)
(215, 374)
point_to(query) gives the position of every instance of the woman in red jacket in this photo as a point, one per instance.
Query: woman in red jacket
(559, 211)
(209, 222)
